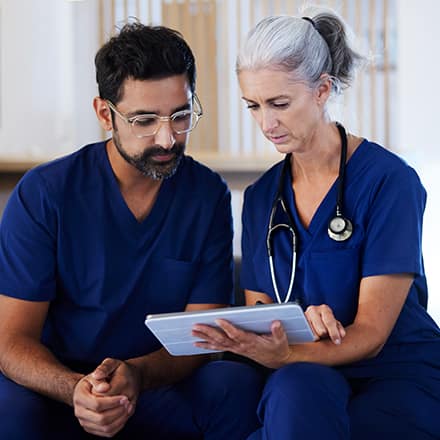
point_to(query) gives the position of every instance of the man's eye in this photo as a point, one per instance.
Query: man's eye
(182, 117)
(145, 122)
(280, 104)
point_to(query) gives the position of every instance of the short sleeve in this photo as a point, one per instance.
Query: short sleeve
(214, 280)
(27, 242)
(394, 228)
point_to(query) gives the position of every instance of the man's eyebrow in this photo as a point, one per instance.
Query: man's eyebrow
(134, 113)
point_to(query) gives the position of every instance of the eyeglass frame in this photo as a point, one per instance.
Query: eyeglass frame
(131, 120)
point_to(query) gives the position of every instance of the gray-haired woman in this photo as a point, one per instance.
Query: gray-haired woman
(355, 211)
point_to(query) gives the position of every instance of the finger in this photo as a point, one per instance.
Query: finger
(230, 330)
(107, 427)
(100, 386)
(208, 333)
(342, 331)
(316, 324)
(106, 368)
(101, 404)
(332, 325)
(207, 345)
(278, 332)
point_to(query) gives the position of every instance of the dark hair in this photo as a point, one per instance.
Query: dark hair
(142, 52)
(343, 59)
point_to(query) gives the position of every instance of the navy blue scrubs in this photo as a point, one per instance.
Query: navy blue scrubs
(68, 237)
(374, 398)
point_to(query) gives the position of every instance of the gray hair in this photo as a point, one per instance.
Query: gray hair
(307, 48)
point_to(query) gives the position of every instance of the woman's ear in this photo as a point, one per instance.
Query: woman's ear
(103, 113)
(324, 88)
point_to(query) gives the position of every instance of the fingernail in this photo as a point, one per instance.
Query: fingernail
(337, 341)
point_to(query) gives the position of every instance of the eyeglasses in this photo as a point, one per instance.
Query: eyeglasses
(148, 125)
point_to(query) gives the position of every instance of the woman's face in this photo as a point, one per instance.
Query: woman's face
(287, 111)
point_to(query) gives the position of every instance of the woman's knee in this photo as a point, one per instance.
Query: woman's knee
(307, 378)
(305, 400)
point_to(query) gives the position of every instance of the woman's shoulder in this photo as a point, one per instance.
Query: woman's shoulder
(267, 183)
(374, 158)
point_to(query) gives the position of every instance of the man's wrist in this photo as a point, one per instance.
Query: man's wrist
(74, 380)
(137, 368)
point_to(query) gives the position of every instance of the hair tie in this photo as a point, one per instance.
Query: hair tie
(310, 21)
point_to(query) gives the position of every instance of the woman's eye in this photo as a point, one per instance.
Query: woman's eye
(251, 106)
(280, 104)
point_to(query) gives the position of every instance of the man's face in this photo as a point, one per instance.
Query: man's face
(156, 156)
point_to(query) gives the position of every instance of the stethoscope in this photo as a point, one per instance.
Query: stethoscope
(339, 227)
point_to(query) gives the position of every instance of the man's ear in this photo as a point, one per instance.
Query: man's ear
(103, 113)
(324, 89)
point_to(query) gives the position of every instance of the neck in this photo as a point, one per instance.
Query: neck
(320, 155)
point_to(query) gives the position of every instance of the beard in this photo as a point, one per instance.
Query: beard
(145, 163)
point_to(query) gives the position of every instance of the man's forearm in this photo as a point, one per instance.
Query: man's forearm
(160, 368)
(32, 365)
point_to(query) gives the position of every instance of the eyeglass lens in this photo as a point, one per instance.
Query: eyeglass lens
(181, 122)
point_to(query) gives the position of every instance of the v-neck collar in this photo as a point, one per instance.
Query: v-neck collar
(121, 210)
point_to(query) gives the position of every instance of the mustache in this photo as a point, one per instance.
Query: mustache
(157, 150)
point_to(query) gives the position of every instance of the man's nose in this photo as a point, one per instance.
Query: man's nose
(165, 135)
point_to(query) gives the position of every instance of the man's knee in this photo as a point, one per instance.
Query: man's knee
(227, 396)
(25, 414)
(230, 380)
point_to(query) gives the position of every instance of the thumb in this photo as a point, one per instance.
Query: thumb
(106, 368)
(278, 331)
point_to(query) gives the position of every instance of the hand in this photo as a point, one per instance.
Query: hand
(105, 399)
(114, 377)
(271, 350)
(99, 414)
(324, 324)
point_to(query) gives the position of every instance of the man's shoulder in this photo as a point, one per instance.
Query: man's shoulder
(62, 171)
(199, 176)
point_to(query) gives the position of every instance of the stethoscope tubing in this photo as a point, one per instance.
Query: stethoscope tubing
(337, 236)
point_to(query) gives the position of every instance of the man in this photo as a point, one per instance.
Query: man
(91, 243)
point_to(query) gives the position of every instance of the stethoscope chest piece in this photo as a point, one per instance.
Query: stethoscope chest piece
(340, 228)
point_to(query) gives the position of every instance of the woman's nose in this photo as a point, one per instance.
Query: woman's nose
(268, 121)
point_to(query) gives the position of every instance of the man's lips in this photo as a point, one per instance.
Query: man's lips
(163, 157)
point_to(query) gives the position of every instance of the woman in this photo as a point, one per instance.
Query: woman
(355, 210)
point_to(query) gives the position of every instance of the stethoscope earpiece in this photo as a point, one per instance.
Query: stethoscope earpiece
(340, 228)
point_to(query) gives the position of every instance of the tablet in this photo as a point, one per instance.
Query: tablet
(174, 329)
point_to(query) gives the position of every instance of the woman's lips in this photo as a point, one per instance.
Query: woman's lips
(278, 139)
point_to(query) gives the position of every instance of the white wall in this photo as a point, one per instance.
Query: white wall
(418, 120)
(46, 77)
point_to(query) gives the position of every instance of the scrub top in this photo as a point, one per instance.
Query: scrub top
(385, 200)
(68, 237)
